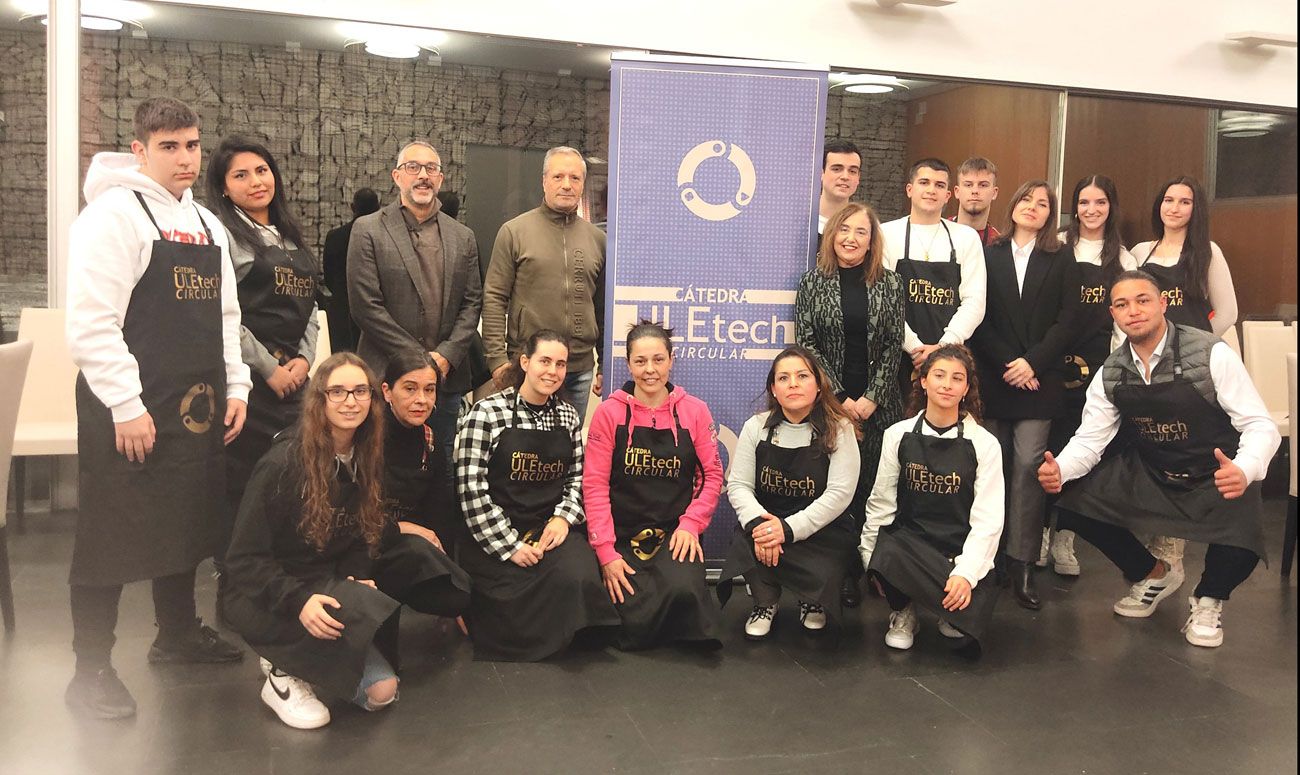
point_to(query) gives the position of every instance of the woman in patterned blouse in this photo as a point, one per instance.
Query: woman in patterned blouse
(849, 312)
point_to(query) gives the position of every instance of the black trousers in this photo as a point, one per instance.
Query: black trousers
(94, 616)
(1225, 566)
(897, 598)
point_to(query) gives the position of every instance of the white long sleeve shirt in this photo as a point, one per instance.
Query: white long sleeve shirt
(1233, 389)
(1223, 295)
(988, 511)
(972, 292)
(110, 245)
(842, 477)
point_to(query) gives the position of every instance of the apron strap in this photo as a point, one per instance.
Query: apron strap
(920, 418)
(961, 429)
(952, 249)
(907, 241)
(140, 198)
(204, 223)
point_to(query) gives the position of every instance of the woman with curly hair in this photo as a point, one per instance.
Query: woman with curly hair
(306, 553)
(935, 515)
(792, 479)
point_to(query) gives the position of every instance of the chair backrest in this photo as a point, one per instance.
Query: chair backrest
(50, 394)
(1230, 336)
(1264, 350)
(14, 359)
(322, 341)
(1291, 437)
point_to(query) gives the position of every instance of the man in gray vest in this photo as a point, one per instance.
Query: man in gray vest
(1184, 402)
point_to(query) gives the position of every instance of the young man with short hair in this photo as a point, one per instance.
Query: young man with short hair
(153, 323)
(976, 191)
(942, 267)
(1199, 441)
(841, 175)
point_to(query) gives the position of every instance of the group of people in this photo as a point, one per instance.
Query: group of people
(330, 501)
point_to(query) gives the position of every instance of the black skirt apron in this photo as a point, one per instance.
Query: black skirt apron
(527, 614)
(1085, 356)
(786, 482)
(163, 516)
(412, 570)
(276, 299)
(653, 479)
(1163, 482)
(1175, 286)
(932, 293)
(916, 553)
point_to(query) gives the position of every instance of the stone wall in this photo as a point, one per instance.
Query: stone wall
(334, 120)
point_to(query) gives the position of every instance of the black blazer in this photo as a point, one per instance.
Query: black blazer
(1037, 325)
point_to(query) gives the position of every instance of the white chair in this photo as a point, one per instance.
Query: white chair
(1289, 536)
(47, 415)
(1233, 341)
(13, 369)
(1265, 345)
(322, 341)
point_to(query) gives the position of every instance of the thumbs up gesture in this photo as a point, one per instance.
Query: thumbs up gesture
(1229, 477)
(1049, 474)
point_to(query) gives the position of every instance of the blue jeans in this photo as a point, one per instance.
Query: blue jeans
(577, 391)
(377, 669)
(443, 421)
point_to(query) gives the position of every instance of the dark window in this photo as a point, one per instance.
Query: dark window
(1256, 154)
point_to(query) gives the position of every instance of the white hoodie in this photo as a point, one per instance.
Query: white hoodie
(111, 243)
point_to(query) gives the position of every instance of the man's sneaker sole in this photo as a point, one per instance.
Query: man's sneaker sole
(1062, 569)
(1142, 613)
(1209, 643)
(272, 701)
(896, 642)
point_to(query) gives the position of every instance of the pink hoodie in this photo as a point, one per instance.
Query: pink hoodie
(694, 416)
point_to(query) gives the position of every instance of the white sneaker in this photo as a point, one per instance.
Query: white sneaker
(1144, 596)
(812, 617)
(294, 702)
(1063, 560)
(1044, 549)
(760, 622)
(1204, 627)
(948, 631)
(902, 629)
(265, 664)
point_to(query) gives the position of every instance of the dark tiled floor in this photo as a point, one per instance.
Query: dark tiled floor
(1069, 689)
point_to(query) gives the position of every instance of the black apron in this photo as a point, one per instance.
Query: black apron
(652, 481)
(1163, 482)
(527, 614)
(163, 516)
(786, 482)
(276, 301)
(916, 553)
(1175, 286)
(1085, 356)
(416, 490)
(932, 291)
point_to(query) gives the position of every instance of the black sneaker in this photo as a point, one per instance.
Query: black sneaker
(201, 644)
(99, 695)
(850, 597)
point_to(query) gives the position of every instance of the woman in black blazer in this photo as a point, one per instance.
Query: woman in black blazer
(1033, 295)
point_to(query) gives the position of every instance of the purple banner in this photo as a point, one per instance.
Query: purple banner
(714, 179)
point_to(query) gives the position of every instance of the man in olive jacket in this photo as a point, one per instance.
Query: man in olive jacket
(548, 271)
(413, 282)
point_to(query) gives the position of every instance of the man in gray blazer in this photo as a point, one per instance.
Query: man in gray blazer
(413, 282)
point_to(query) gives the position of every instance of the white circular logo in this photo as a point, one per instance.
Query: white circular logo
(711, 211)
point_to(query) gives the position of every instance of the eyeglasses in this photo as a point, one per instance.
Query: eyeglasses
(414, 167)
(338, 394)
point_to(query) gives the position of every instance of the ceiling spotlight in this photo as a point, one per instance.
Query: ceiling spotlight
(391, 42)
(866, 83)
(97, 15)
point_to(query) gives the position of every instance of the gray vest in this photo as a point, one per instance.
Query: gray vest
(1194, 346)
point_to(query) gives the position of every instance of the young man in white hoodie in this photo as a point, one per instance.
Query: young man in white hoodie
(153, 323)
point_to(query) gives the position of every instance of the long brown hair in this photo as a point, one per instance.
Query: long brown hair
(971, 404)
(875, 260)
(827, 413)
(1196, 251)
(316, 457)
(1047, 239)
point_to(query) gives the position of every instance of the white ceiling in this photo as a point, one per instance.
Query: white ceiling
(177, 22)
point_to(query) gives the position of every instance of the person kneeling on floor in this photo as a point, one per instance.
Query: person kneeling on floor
(1184, 401)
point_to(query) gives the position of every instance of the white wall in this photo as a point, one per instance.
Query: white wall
(1160, 47)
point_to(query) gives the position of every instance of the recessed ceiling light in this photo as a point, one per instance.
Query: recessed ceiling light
(97, 15)
(868, 88)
